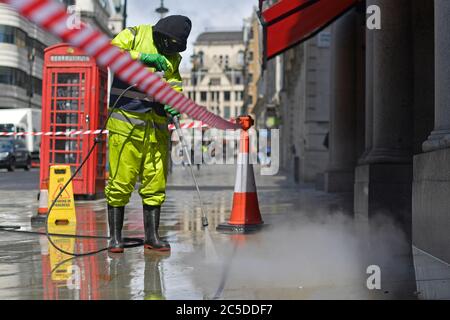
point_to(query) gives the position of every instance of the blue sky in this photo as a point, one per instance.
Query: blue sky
(205, 14)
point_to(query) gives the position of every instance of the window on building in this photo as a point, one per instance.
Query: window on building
(68, 2)
(238, 80)
(250, 77)
(21, 38)
(14, 77)
(239, 95)
(227, 96)
(7, 34)
(39, 48)
(203, 96)
(37, 86)
(13, 35)
(226, 112)
(215, 81)
(241, 58)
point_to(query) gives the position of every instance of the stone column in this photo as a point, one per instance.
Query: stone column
(368, 132)
(440, 137)
(340, 174)
(393, 85)
(383, 182)
(431, 191)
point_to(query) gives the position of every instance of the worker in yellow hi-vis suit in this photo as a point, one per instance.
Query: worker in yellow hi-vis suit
(138, 133)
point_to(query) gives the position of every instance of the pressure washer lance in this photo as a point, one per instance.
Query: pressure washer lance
(176, 122)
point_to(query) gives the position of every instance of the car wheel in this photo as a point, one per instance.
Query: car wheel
(12, 165)
(27, 164)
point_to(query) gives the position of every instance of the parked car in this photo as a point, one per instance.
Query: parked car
(14, 154)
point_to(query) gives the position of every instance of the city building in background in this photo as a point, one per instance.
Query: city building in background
(22, 47)
(305, 108)
(118, 18)
(106, 15)
(253, 58)
(293, 95)
(216, 79)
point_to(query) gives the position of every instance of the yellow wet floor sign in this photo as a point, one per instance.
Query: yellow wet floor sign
(63, 212)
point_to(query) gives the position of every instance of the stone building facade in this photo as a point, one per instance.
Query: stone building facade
(389, 123)
(294, 89)
(216, 80)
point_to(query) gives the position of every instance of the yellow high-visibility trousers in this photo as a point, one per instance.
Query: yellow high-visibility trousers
(138, 148)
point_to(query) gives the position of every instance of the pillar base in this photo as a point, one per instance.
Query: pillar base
(384, 189)
(436, 141)
(387, 156)
(431, 203)
(339, 181)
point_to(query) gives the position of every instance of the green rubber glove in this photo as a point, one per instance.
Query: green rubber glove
(173, 112)
(154, 60)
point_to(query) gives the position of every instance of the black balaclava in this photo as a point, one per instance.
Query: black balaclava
(171, 33)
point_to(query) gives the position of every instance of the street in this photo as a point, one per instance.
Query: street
(310, 248)
(19, 179)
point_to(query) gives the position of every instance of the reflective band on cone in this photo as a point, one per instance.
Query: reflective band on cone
(245, 215)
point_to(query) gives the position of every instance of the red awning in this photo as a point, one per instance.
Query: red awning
(290, 22)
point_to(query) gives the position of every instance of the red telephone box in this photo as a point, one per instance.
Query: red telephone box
(74, 98)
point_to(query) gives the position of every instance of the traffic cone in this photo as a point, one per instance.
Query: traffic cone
(43, 202)
(245, 215)
(43, 206)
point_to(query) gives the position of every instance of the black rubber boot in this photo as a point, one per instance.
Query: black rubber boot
(115, 221)
(151, 226)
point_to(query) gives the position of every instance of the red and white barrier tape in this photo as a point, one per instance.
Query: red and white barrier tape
(52, 16)
(189, 125)
(58, 133)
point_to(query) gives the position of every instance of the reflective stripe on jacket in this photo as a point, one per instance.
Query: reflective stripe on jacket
(138, 126)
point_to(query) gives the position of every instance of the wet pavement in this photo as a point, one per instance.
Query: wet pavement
(310, 248)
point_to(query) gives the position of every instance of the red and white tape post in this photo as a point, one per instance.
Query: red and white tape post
(52, 16)
(188, 125)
